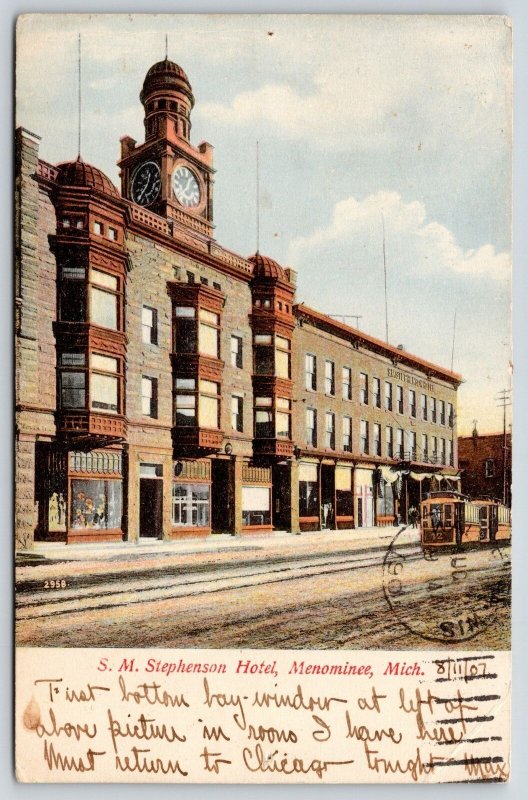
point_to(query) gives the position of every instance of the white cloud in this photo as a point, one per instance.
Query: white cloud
(415, 245)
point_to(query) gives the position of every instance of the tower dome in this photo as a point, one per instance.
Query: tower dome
(167, 94)
(79, 173)
(265, 267)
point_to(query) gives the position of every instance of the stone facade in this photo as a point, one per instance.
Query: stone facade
(132, 423)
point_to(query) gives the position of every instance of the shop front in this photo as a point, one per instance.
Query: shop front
(364, 498)
(191, 499)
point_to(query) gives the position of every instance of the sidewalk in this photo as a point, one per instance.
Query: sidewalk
(359, 538)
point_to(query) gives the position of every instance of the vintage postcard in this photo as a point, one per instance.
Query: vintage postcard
(263, 441)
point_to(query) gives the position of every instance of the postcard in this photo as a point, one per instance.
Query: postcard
(263, 439)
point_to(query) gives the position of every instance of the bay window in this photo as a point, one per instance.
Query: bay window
(185, 402)
(209, 404)
(263, 418)
(209, 333)
(282, 357)
(263, 354)
(104, 383)
(282, 418)
(103, 299)
(185, 340)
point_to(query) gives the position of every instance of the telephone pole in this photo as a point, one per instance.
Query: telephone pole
(504, 400)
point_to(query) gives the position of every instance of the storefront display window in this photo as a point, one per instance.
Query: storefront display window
(256, 507)
(190, 504)
(308, 491)
(95, 504)
(385, 500)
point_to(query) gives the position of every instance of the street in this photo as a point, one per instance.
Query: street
(337, 589)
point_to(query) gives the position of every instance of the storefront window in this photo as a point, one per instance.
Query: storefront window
(95, 504)
(308, 491)
(385, 500)
(344, 496)
(256, 508)
(190, 504)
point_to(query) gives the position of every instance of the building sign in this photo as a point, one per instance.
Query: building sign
(406, 377)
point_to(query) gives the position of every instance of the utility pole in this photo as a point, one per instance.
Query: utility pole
(504, 400)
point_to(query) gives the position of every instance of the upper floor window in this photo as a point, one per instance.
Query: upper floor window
(364, 436)
(399, 399)
(450, 415)
(282, 357)
(236, 351)
(112, 234)
(209, 333)
(185, 329)
(347, 383)
(376, 431)
(433, 409)
(149, 397)
(72, 381)
(330, 430)
(209, 404)
(72, 293)
(310, 372)
(149, 325)
(283, 417)
(389, 448)
(263, 417)
(388, 396)
(347, 434)
(423, 400)
(450, 453)
(263, 354)
(376, 392)
(237, 413)
(412, 402)
(311, 427)
(412, 445)
(442, 412)
(185, 402)
(98, 228)
(363, 388)
(434, 449)
(443, 451)
(103, 299)
(399, 443)
(425, 447)
(329, 377)
(104, 384)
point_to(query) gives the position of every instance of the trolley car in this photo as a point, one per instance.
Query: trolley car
(450, 519)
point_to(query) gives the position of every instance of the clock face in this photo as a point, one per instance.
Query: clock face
(146, 183)
(186, 187)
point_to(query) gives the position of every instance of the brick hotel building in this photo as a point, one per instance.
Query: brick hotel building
(167, 387)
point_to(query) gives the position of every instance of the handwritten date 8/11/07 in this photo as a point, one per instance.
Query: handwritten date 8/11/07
(58, 583)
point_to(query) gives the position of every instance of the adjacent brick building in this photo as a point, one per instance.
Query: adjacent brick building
(168, 387)
(486, 466)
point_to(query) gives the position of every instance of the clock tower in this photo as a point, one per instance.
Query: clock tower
(166, 174)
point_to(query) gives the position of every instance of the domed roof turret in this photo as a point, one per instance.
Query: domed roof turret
(265, 267)
(78, 173)
(166, 75)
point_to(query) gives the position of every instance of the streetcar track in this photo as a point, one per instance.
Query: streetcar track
(213, 590)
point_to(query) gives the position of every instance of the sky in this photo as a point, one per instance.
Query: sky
(365, 124)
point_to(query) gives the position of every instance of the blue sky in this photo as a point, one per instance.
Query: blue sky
(357, 118)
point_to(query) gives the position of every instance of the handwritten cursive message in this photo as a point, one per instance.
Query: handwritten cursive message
(258, 716)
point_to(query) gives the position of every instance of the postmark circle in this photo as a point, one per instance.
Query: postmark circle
(446, 597)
